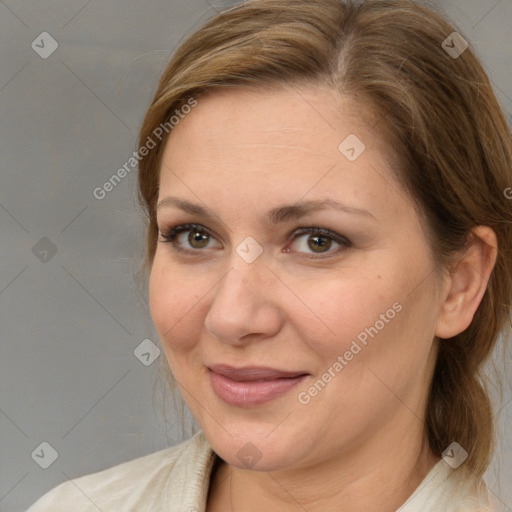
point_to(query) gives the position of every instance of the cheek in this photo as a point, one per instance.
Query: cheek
(369, 316)
(175, 303)
(342, 307)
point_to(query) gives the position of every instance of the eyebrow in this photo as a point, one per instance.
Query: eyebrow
(273, 216)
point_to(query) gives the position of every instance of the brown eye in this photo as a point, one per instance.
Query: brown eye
(319, 244)
(190, 238)
(198, 239)
(319, 241)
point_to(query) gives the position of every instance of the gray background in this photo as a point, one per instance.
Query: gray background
(70, 321)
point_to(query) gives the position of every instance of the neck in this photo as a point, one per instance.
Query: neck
(370, 477)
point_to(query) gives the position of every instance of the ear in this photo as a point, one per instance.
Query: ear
(467, 283)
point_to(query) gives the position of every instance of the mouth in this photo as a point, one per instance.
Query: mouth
(251, 385)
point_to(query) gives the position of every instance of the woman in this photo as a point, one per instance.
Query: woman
(329, 247)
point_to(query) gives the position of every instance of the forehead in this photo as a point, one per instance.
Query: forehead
(273, 146)
(274, 126)
(318, 105)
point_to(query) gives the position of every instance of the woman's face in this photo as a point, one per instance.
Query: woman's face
(348, 313)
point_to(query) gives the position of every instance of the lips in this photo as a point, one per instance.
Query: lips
(253, 373)
(252, 385)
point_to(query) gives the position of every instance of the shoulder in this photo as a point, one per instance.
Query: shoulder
(139, 484)
(450, 490)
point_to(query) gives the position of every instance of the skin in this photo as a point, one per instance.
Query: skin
(359, 444)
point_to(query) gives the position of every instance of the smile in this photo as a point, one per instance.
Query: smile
(249, 387)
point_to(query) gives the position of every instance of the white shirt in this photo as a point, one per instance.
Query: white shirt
(176, 479)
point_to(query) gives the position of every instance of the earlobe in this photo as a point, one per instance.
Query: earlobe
(468, 282)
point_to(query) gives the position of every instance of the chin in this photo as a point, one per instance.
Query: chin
(255, 448)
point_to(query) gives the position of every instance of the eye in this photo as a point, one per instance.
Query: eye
(195, 235)
(319, 241)
(191, 238)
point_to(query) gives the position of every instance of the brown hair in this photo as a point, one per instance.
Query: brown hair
(446, 130)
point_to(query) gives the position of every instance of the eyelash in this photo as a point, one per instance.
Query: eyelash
(170, 237)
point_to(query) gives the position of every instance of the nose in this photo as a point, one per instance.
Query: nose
(245, 304)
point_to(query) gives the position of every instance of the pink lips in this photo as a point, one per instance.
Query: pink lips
(251, 385)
